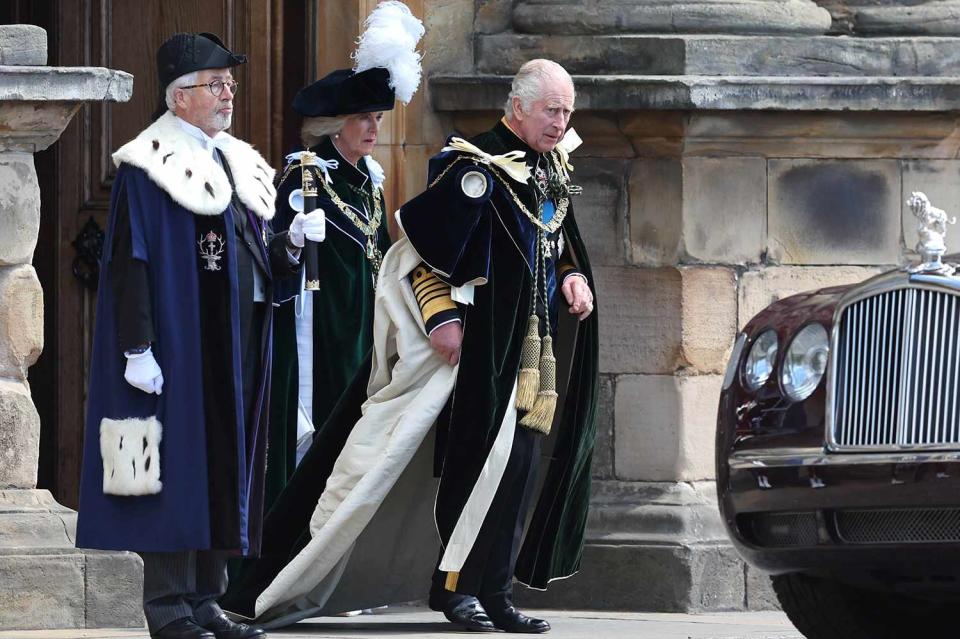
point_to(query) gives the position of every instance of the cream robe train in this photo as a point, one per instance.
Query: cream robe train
(409, 385)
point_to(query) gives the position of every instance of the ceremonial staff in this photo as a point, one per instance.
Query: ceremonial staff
(308, 188)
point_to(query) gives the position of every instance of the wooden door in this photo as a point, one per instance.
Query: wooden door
(77, 173)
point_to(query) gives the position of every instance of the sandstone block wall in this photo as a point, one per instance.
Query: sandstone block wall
(694, 224)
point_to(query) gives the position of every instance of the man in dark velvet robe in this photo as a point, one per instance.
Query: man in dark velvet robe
(176, 416)
(524, 267)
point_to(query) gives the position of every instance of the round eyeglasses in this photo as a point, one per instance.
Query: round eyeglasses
(216, 87)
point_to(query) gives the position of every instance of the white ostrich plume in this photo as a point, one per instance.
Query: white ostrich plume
(390, 41)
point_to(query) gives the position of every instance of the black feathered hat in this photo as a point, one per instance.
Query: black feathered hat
(345, 92)
(387, 68)
(188, 52)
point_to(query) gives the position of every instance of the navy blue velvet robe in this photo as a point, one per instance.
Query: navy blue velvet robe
(212, 455)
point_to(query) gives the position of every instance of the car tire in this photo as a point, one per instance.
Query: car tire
(826, 609)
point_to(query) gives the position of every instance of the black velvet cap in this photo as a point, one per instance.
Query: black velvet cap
(188, 52)
(344, 92)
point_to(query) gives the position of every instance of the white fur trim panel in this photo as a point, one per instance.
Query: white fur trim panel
(130, 449)
(252, 175)
(178, 164)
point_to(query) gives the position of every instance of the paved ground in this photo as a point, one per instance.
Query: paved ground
(417, 623)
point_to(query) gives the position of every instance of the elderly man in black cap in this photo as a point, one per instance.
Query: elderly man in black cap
(174, 457)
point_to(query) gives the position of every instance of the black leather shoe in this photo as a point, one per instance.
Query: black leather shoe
(223, 628)
(184, 628)
(466, 612)
(507, 618)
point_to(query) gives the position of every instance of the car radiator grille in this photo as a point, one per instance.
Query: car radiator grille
(897, 371)
(913, 525)
(774, 530)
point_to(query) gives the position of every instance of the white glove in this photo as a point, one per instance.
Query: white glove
(312, 226)
(143, 372)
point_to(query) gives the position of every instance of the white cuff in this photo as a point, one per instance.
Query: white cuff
(575, 274)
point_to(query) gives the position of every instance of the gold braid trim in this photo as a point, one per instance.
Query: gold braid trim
(562, 205)
(368, 229)
(286, 173)
(432, 293)
(372, 251)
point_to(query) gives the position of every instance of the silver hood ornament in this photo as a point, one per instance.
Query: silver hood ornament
(932, 228)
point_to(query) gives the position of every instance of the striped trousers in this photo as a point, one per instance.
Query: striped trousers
(177, 585)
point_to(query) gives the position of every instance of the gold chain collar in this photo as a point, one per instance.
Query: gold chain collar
(563, 204)
(369, 229)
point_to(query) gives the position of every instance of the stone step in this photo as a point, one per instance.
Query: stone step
(670, 16)
(47, 583)
(632, 513)
(657, 577)
(459, 93)
(657, 546)
(32, 519)
(712, 55)
(70, 588)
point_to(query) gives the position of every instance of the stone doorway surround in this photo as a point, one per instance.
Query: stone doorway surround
(44, 581)
(729, 160)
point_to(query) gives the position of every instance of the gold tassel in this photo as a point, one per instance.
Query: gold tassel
(540, 417)
(528, 383)
(451, 581)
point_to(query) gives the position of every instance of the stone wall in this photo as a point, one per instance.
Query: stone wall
(687, 246)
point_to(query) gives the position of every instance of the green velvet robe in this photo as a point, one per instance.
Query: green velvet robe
(342, 311)
(494, 328)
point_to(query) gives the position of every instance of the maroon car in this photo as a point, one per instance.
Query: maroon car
(838, 450)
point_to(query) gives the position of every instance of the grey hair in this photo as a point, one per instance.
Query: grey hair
(315, 129)
(528, 83)
(184, 80)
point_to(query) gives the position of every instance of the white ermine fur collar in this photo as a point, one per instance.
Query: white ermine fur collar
(178, 164)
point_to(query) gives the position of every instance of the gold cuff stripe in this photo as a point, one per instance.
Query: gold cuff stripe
(438, 298)
(438, 294)
(430, 289)
(429, 280)
(419, 285)
(432, 293)
(435, 306)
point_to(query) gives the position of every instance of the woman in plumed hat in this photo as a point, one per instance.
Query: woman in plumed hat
(322, 337)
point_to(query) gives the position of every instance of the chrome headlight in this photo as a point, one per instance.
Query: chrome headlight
(805, 362)
(760, 360)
